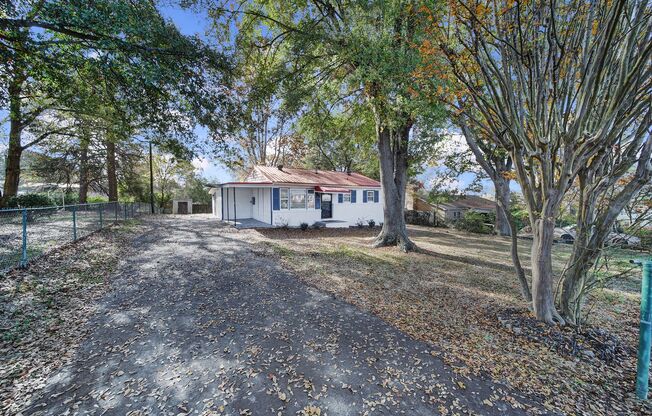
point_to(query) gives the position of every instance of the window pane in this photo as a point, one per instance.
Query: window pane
(326, 197)
(370, 196)
(311, 200)
(297, 199)
(347, 198)
(285, 204)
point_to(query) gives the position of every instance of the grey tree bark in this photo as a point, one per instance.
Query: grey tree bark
(14, 149)
(495, 168)
(111, 171)
(393, 151)
(502, 195)
(83, 171)
(595, 220)
(542, 276)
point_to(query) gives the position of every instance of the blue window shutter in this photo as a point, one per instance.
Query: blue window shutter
(276, 199)
(317, 201)
(340, 198)
(376, 197)
(353, 196)
(364, 195)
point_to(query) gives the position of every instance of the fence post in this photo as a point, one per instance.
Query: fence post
(116, 206)
(101, 206)
(23, 258)
(125, 207)
(74, 222)
(645, 332)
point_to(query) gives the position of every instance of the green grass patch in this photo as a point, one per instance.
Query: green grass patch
(280, 249)
(355, 254)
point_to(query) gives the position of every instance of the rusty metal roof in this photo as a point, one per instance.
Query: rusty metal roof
(469, 202)
(310, 177)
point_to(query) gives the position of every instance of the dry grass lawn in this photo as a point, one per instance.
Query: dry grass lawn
(460, 294)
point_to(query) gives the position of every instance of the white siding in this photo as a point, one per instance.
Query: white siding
(345, 214)
(262, 209)
(217, 204)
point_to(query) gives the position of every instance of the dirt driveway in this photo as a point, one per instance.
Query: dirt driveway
(200, 322)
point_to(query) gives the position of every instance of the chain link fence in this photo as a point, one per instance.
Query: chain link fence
(27, 233)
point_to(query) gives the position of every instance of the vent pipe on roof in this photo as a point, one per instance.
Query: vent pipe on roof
(348, 170)
(280, 167)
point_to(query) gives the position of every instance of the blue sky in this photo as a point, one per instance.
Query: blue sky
(193, 23)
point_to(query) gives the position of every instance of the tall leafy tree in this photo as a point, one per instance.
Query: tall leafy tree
(65, 54)
(340, 138)
(368, 48)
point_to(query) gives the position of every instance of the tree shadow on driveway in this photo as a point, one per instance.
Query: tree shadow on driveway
(199, 322)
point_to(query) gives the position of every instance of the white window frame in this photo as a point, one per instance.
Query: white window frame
(286, 198)
(371, 198)
(310, 200)
(346, 197)
(298, 192)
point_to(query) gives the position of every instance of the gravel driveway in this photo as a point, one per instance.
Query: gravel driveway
(199, 322)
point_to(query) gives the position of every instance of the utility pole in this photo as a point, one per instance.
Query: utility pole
(151, 179)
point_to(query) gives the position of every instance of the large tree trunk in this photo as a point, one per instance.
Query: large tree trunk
(393, 150)
(14, 150)
(542, 277)
(111, 171)
(502, 193)
(12, 168)
(83, 171)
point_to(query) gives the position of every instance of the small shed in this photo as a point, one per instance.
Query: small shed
(182, 206)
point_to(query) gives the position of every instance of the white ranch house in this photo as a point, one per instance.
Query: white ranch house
(278, 196)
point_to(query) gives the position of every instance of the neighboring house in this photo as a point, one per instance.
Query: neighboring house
(455, 210)
(414, 202)
(277, 196)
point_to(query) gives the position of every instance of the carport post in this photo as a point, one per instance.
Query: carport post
(23, 258)
(645, 332)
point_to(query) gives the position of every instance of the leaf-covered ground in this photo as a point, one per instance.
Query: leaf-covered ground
(200, 318)
(44, 309)
(459, 293)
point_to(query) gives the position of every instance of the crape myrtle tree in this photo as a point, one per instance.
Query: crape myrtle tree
(369, 49)
(496, 162)
(606, 184)
(557, 84)
(57, 55)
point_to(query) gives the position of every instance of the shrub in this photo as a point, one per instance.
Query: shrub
(304, 226)
(360, 223)
(371, 223)
(96, 199)
(30, 200)
(318, 225)
(475, 222)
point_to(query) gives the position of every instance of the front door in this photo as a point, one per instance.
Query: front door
(326, 205)
(182, 207)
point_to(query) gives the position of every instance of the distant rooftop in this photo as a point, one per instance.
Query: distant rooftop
(469, 202)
